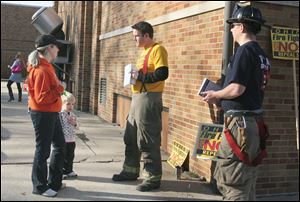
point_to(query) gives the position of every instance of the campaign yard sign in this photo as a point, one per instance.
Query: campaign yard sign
(208, 141)
(178, 155)
(285, 43)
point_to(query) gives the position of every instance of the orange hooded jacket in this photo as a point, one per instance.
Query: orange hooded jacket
(44, 88)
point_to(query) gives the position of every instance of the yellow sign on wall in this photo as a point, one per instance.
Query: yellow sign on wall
(285, 43)
(178, 155)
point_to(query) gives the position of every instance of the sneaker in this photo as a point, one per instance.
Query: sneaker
(147, 186)
(69, 175)
(49, 193)
(123, 177)
(72, 174)
(10, 99)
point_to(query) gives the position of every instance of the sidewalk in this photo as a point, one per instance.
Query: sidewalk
(99, 154)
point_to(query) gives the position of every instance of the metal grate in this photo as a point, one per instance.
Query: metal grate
(102, 97)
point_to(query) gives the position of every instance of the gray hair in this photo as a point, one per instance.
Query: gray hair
(34, 59)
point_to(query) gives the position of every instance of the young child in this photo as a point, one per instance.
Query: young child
(69, 125)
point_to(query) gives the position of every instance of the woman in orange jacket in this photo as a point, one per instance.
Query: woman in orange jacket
(45, 104)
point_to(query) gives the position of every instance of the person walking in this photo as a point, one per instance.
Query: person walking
(242, 145)
(69, 124)
(16, 76)
(45, 104)
(143, 127)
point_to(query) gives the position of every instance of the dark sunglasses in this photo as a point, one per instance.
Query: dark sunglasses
(235, 24)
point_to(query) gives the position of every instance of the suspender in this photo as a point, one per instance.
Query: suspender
(145, 68)
(263, 133)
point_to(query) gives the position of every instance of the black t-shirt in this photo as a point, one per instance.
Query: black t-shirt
(247, 68)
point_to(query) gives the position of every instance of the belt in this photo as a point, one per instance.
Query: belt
(239, 113)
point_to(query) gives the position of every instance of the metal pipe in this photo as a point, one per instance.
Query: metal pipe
(56, 66)
(228, 41)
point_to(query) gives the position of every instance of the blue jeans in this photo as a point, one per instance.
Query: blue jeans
(48, 130)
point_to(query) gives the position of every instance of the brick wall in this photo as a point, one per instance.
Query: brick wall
(280, 171)
(194, 46)
(17, 34)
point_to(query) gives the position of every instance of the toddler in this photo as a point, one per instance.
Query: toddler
(69, 125)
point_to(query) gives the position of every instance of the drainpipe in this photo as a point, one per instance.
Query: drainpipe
(228, 41)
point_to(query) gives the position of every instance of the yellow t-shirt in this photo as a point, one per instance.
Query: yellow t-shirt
(158, 58)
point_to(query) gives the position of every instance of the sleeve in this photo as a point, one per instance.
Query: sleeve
(64, 121)
(160, 57)
(15, 64)
(47, 90)
(159, 74)
(241, 68)
(77, 124)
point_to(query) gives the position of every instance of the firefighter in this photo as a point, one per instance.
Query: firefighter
(242, 145)
(143, 126)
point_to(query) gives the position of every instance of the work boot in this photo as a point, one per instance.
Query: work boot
(148, 186)
(124, 176)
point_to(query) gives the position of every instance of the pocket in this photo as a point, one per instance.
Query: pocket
(263, 132)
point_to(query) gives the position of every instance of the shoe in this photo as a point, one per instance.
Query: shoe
(123, 177)
(72, 174)
(69, 175)
(147, 186)
(10, 99)
(20, 100)
(49, 193)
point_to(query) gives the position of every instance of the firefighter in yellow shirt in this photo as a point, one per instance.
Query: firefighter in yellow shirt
(143, 127)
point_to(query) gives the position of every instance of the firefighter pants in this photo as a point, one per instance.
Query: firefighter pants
(143, 136)
(235, 179)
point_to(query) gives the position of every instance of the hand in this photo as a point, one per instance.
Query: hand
(62, 83)
(210, 97)
(134, 74)
(72, 120)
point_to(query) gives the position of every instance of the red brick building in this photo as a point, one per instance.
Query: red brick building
(17, 34)
(193, 33)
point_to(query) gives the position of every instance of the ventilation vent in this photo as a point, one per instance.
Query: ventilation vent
(102, 98)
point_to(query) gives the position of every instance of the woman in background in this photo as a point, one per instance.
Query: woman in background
(16, 76)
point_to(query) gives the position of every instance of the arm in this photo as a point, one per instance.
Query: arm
(64, 121)
(159, 74)
(14, 65)
(47, 90)
(233, 90)
(73, 121)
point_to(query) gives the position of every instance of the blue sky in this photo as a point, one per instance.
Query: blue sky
(31, 3)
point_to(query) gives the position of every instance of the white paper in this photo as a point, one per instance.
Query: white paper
(127, 75)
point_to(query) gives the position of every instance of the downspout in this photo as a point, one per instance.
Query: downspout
(228, 41)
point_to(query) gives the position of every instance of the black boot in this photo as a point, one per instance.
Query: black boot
(148, 186)
(124, 176)
(20, 92)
